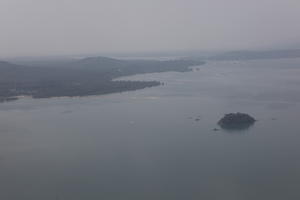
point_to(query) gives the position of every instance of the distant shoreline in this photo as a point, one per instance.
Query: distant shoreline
(85, 77)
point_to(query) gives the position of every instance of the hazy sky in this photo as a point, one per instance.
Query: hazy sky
(53, 27)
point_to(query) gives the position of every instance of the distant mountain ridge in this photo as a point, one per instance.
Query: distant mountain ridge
(252, 55)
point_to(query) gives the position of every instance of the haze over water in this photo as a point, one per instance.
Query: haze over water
(147, 144)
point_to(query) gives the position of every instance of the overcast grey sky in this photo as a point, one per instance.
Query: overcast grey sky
(53, 27)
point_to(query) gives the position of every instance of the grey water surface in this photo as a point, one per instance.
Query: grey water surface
(159, 143)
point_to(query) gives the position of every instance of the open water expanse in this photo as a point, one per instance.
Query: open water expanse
(158, 143)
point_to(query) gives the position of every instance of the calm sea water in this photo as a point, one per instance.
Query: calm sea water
(147, 144)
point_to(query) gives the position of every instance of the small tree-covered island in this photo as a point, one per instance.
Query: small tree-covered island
(236, 121)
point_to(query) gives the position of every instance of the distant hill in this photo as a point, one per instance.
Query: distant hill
(116, 68)
(98, 62)
(7, 65)
(88, 76)
(252, 55)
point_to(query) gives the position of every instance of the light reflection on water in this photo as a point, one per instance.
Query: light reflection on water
(147, 144)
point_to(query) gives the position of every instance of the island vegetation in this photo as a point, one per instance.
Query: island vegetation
(236, 121)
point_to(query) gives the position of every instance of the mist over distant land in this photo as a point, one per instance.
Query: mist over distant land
(106, 27)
